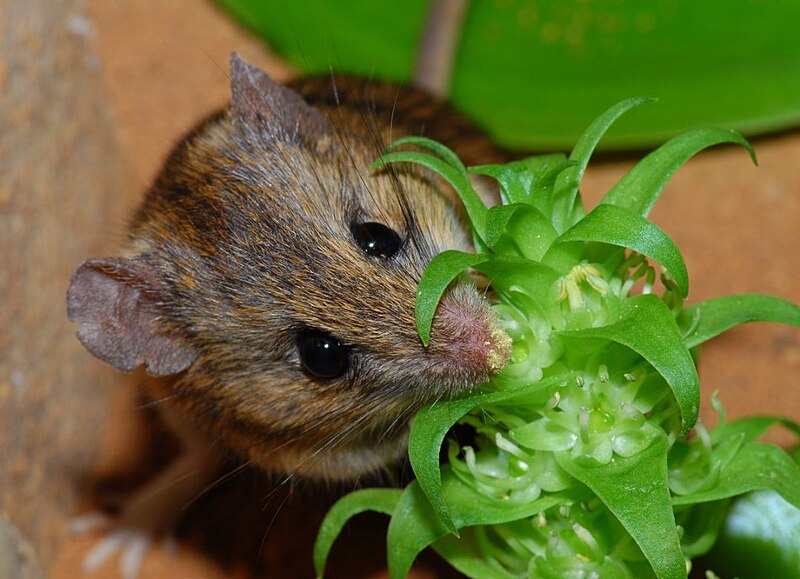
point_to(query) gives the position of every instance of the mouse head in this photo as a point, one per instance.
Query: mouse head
(276, 275)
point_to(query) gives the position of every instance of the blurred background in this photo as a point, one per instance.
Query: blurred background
(94, 93)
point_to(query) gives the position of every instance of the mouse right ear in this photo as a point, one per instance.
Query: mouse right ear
(115, 301)
(255, 96)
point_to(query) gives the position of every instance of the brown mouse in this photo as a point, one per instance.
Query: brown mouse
(270, 277)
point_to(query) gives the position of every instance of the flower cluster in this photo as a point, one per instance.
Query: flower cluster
(583, 457)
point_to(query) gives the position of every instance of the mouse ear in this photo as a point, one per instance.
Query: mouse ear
(255, 96)
(115, 302)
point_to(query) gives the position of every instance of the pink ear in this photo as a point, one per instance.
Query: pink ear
(256, 97)
(114, 302)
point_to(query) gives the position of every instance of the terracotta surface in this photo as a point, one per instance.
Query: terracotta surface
(58, 160)
(164, 67)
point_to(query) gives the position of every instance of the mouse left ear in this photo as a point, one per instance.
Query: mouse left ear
(256, 97)
(116, 301)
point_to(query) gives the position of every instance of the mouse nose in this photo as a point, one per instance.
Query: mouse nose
(467, 341)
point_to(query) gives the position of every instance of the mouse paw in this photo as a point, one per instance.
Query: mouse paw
(152, 511)
(131, 543)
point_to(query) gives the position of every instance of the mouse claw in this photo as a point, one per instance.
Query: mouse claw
(118, 538)
(90, 522)
(130, 543)
(150, 512)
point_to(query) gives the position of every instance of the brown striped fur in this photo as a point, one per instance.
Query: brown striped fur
(244, 240)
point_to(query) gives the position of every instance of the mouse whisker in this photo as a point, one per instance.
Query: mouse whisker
(269, 525)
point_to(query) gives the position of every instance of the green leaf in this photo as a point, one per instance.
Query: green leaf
(462, 556)
(414, 524)
(635, 490)
(378, 500)
(701, 524)
(647, 327)
(620, 227)
(432, 424)
(505, 272)
(703, 321)
(639, 189)
(755, 467)
(566, 186)
(449, 167)
(439, 274)
(435, 147)
(498, 218)
(751, 427)
(530, 231)
(528, 180)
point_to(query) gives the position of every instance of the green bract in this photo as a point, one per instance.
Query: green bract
(587, 459)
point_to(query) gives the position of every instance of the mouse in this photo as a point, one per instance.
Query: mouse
(267, 285)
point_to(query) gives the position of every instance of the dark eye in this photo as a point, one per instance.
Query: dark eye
(322, 355)
(376, 239)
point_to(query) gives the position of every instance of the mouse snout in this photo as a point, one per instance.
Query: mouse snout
(467, 339)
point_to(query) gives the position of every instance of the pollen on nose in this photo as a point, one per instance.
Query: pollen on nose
(468, 337)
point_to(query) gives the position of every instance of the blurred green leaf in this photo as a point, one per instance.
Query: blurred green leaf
(760, 538)
(537, 72)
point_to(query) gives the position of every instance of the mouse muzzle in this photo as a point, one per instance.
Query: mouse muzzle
(468, 344)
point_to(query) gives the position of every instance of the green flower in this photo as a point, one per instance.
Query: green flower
(586, 458)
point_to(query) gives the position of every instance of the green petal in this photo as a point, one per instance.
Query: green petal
(544, 434)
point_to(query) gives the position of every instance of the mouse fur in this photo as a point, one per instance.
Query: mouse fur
(245, 240)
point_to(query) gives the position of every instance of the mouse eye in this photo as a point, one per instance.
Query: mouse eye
(322, 355)
(376, 239)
